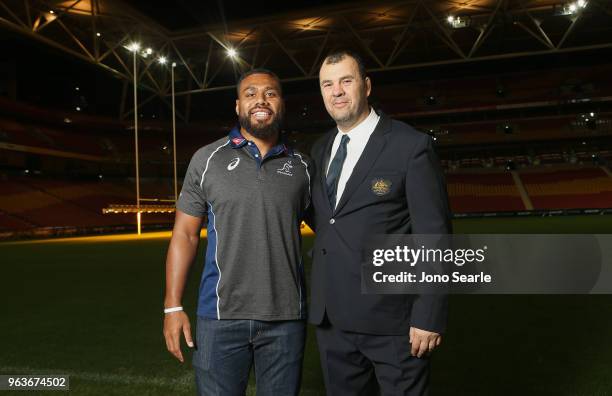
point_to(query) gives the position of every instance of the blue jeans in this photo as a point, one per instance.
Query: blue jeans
(226, 350)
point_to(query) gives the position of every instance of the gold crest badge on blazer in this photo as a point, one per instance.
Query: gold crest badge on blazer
(381, 187)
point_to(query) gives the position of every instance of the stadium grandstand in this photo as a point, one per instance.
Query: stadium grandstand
(538, 147)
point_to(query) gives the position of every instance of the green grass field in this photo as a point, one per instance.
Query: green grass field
(93, 311)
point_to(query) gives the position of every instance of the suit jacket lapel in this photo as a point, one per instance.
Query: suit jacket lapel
(325, 158)
(368, 157)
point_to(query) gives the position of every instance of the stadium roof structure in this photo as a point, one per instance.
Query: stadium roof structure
(393, 35)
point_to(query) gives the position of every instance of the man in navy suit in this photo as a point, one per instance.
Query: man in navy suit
(375, 175)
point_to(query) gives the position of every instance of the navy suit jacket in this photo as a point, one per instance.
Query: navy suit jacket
(416, 201)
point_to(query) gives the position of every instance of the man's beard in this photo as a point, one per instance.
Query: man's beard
(262, 131)
(350, 116)
(347, 118)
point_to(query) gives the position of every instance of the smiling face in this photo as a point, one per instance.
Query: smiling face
(260, 105)
(345, 92)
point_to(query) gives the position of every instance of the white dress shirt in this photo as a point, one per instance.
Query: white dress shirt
(359, 137)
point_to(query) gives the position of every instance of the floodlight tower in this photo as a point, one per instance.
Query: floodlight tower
(163, 60)
(134, 48)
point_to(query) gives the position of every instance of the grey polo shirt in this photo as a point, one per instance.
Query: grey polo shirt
(254, 207)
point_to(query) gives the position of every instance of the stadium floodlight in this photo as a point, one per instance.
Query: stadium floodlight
(134, 47)
(458, 22)
(232, 52)
(573, 7)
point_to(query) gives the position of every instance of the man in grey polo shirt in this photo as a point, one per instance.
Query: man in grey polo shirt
(252, 190)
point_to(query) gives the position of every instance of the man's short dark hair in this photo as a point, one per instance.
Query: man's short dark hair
(338, 55)
(257, 71)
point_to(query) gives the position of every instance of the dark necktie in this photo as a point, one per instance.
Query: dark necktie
(335, 168)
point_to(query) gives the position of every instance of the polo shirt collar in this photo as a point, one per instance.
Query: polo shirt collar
(236, 138)
(238, 141)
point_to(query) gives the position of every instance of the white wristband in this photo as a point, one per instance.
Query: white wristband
(173, 309)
